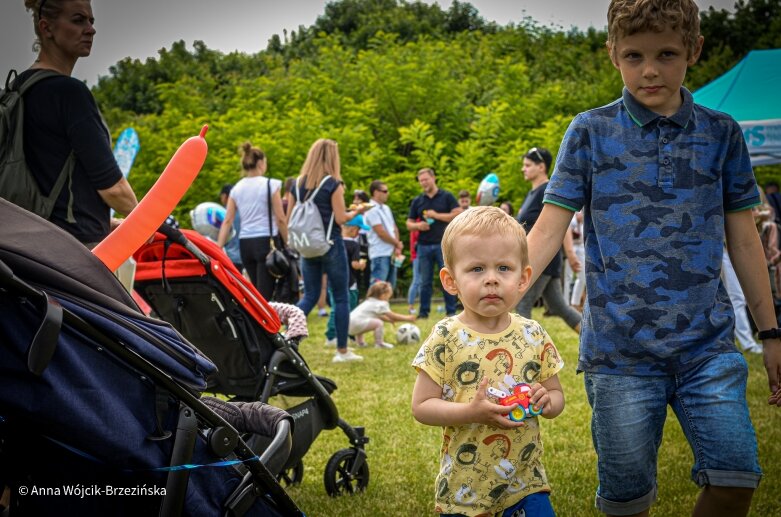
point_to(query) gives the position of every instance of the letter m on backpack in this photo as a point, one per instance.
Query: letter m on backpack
(306, 233)
(298, 241)
(17, 183)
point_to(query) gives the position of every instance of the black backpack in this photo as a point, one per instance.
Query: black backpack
(17, 183)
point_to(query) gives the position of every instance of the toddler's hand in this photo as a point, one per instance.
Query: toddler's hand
(486, 412)
(539, 397)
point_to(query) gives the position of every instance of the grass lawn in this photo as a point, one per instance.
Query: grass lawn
(403, 454)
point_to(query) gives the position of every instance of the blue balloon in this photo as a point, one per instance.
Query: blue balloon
(207, 218)
(488, 190)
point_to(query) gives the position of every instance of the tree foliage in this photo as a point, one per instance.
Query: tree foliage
(399, 85)
(357, 22)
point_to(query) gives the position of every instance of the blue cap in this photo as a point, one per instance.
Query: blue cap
(357, 221)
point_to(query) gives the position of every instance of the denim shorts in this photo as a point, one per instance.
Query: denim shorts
(628, 418)
(533, 505)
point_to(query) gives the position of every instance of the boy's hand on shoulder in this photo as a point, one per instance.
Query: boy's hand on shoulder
(485, 412)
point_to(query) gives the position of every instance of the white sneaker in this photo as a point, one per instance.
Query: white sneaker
(386, 346)
(347, 357)
(330, 342)
(754, 349)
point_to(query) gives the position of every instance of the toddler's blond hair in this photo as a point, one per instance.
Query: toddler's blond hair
(482, 221)
(377, 289)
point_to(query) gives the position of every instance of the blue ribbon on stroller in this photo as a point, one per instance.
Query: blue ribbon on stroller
(188, 466)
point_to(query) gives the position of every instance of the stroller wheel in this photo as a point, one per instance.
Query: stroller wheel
(339, 480)
(292, 476)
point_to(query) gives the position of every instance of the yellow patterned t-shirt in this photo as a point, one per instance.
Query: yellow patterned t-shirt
(484, 469)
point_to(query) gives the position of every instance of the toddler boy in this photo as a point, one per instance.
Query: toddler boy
(489, 464)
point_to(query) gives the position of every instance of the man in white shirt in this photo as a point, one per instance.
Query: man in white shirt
(384, 242)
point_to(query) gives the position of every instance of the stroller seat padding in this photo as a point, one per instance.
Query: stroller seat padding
(248, 417)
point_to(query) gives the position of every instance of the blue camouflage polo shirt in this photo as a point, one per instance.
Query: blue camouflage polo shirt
(654, 191)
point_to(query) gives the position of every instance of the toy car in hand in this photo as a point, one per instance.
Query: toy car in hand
(519, 395)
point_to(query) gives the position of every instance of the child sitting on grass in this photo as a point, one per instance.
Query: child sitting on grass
(371, 314)
(489, 464)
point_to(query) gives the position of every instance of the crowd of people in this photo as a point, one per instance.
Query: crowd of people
(664, 268)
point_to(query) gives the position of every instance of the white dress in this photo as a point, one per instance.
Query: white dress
(361, 316)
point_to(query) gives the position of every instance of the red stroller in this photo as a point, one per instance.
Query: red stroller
(190, 283)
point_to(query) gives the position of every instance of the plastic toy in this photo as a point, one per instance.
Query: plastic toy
(520, 396)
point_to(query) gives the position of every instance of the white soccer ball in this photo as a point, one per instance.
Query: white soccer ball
(407, 334)
(206, 219)
(488, 191)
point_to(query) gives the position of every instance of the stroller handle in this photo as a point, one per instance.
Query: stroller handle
(175, 235)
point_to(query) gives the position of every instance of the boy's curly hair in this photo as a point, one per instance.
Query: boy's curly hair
(627, 17)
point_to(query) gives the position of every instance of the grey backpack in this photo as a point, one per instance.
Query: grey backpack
(17, 183)
(305, 230)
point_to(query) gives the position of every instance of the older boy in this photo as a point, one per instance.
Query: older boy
(663, 182)
(488, 463)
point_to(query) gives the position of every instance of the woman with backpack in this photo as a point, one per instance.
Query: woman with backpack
(321, 183)
(62, 123)
(258, 202)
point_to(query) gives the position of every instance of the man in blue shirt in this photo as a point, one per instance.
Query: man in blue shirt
(429, 213)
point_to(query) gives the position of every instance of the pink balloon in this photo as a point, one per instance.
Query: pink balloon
(156, 205)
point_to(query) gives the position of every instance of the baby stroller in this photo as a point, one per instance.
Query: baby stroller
(189, 282)
(100, 407)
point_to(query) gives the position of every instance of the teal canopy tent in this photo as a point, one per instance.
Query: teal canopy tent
(751, 93)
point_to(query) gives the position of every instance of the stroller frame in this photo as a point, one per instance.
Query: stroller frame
(284, 372)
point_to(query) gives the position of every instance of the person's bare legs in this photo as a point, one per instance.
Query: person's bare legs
(378, 332)
(721, 500)
(373, 324)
